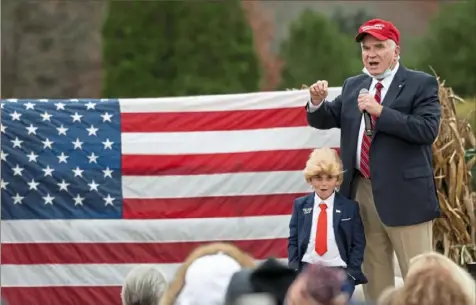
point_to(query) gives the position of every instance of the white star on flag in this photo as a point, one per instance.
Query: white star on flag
(33, 184)
(3, 156)
(106, 117)
(17, 142)
(46, 116)
(29, 105)
(15, 116)
(32, 157)
(31, 129)
(63, 186)
(90, 105)
(107, 172)
(92, 158)
(62, 158)
(78, 144)
(107, 144)
(93, 186)
(76, 117)
(48, 199)
(59, 106)
(78, 172)
(62, 130)
(78, 200)
(3, 184)
(48, 171)
(17, 170)
(47, 143)
(108, 200)
(92, 131)
(17, 199)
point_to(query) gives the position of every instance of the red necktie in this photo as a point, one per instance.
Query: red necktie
(365, 149)
(321, 234)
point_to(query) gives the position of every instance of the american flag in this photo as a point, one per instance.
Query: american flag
(91, 188)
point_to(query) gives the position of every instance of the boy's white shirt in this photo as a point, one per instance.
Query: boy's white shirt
(332, 257)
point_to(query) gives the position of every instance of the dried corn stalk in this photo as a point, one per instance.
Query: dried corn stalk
(455, 233)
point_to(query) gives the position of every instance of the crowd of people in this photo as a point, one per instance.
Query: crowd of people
(221, 274)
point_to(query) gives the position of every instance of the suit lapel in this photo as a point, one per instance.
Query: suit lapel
(396, 86)
(308, 204)
(337, 213)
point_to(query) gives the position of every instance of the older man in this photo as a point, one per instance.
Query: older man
(390, 171)
(143, 285)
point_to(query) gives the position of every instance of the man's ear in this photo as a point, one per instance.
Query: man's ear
(397, 51)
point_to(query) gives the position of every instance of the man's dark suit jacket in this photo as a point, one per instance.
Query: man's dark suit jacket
(400, 154)
(348, 232)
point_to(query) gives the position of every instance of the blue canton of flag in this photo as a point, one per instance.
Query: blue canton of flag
(61, 159)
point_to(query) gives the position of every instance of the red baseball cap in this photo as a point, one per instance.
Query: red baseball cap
(380, 29)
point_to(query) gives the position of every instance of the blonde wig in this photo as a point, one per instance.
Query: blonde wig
(323, 161)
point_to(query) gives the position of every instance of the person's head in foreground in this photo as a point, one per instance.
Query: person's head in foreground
(324, 171)
(380, 42)
(204, 276)
(433, 279)
(318, 285)
(144, 285)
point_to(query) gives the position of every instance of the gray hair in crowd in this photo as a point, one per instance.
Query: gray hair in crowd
(144, 285)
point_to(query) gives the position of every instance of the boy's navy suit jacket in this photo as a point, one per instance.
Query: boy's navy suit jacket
(348, 231)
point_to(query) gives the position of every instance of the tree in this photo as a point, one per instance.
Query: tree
(317, 49)
(450, 48)
(214, 49)
(138, 57)
(349, 23)
(176, 48)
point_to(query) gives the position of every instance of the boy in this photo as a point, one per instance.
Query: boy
(326, 227)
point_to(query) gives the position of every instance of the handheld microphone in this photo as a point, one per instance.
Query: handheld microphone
(367, 119)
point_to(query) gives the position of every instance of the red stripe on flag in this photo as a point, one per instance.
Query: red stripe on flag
(213, 120)
(110, 295)
(209, 207)
(126, 253)
(260, 161)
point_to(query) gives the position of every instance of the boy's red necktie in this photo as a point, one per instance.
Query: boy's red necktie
(321, 234)
(365, 149)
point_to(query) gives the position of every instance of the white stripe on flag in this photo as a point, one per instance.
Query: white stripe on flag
(247, 101)
(74, 275)
(236, 184)
(164, 230)
(214, 142)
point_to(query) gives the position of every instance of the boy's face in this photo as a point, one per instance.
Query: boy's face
(324, 185)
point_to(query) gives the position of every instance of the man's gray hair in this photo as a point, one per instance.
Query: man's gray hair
(144, 285)
(392, 44)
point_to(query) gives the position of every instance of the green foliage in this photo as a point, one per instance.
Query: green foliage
(450, 46)
(317, 49)
(176, 48)
(350, 22)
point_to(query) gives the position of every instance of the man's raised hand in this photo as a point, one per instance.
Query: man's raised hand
(319, 91)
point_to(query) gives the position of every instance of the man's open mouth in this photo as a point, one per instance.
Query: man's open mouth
(373, 63)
